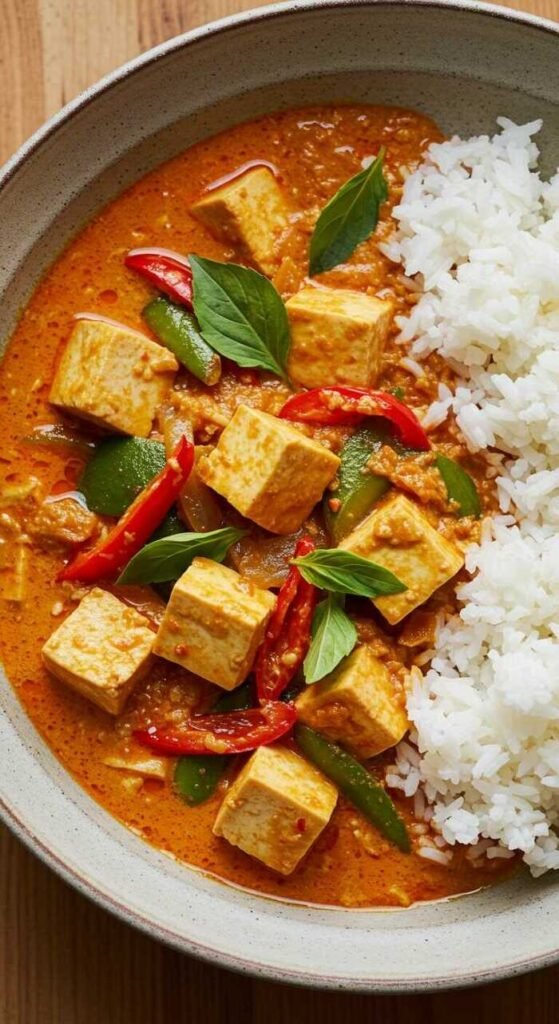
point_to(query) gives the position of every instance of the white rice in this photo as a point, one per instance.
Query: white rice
(412, 366)
(431, 853)
(482, 229)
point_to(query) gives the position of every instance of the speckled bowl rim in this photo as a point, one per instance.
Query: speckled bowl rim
(23, 829)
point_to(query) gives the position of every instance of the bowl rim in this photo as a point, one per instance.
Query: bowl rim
(231, 21)
(22, 829)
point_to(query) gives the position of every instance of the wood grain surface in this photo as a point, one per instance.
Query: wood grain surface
(62, 960)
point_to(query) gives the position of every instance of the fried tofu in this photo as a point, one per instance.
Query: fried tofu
(356, 706)
(268, 470)
(113, 376)
(214, 623)
(398, 536)
(337, 336)
(276, 808)
(101, 650)
(251, 212)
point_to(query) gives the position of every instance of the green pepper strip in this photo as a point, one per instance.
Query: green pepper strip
(179, 331)
(197, 776)
(356, 784)
(358, 490)
(55, 435)
(118, 470)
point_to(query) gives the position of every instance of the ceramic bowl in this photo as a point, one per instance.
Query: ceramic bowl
(462, 63)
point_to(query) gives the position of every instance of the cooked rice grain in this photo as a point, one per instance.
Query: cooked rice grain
(482, 229)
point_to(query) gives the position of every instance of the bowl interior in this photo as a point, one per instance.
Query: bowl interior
(464, 66)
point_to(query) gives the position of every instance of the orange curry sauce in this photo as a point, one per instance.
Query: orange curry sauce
(314, 152)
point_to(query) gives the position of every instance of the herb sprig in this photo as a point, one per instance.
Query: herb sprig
(349, 217)
(333, 637)
(167, 559)
(342, 572)
(241, 315)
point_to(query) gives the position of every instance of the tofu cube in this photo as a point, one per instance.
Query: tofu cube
(113, 376)
(249, 211)
(214, 623)
(276, 808)
(399, 537)
(337, 336)
(268, 470)
(356, 706)
(101, 650)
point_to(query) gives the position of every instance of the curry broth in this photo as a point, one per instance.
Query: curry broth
(314, 151)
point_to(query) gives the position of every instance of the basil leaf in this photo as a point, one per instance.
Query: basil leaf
(240, 313)
(342, 572)
(166, 559)
(459, 487)
(349, 218)
(333, 637)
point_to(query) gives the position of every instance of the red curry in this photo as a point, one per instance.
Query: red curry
(311, 153)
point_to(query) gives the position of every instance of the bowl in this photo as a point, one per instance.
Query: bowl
(462, 63)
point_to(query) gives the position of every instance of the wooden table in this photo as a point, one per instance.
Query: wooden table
(62, 960)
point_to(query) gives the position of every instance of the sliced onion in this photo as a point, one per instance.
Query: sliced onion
(238, 173)
(264, 560)
(159, 250)
(76, 496)
(198, 505)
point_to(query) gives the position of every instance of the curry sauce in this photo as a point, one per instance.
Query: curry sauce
(313, 151)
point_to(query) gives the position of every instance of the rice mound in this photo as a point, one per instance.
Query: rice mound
(482, 229)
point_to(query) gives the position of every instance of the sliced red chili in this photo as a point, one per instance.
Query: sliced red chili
(136, 526)
(347, 406)
(288, 634)
(167, 270)
(231, 733)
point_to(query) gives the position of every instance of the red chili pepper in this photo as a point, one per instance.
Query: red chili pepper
(288, 634)
(348, 405)
(230, 733)
(168, 271)
(136, 526)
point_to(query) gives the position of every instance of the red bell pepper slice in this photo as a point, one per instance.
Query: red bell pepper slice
(288, 634)
(167, 270)
(136, 526)
(233, 732)
(347, 406)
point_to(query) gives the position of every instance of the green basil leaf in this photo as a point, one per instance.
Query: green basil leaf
(333, 637)
(349, 218)
(241, 315)
(459, 487)
(342, 572)
(167, 559)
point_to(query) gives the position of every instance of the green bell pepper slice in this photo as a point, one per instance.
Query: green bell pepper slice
(358, 490)
(356, 784)
(197, 776)
(179, 331)
(118, 470)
